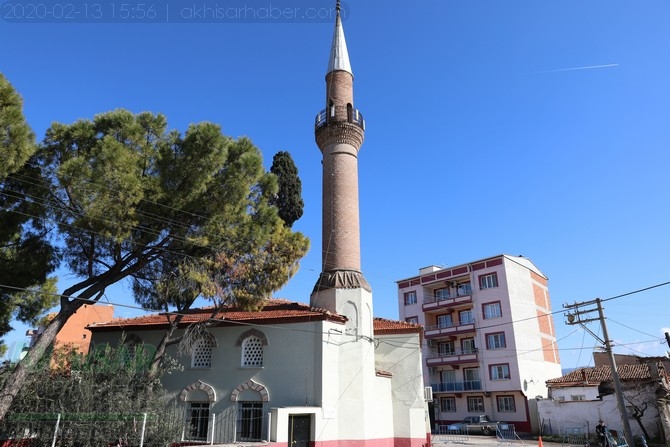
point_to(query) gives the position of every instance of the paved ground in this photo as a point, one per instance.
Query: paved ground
(446, 441)
(486, 441)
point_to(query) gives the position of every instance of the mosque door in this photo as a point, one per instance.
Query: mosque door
(299, 426)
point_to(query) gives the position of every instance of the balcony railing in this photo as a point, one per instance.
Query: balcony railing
(339, 114)
(438, 303)
(464, 322)
(443, 297)
(468, 385)
(455, 357)
(454, 353)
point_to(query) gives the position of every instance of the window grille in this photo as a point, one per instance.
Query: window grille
(202, 353)
(252, 352)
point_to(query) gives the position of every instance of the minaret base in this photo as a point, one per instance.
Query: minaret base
(354, 303)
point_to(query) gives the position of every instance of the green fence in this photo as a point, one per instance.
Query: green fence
(91, 430)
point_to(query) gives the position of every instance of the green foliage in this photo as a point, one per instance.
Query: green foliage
(17, 141)
(138, 200)
(289, 198)
(100, 397)
(26, 256)
(180, 215)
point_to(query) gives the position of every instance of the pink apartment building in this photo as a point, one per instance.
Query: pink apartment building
(489, 342)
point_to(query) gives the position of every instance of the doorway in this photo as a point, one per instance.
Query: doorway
(299, 430)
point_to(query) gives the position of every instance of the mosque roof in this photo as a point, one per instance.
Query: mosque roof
(275, 311)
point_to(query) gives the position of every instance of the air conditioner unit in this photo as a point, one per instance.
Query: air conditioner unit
(428, 394)
(432, 343)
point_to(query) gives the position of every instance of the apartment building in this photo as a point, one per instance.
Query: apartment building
(489, 337)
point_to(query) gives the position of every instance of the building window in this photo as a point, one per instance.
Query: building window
(441, 294)
(250, 421)
(506, 404)
(252, 352)
(471, 379)
(410, 298)
(444, 321)
(446, 348)
(578, 397)
(413, 320)
(492, 310)
(198, 420)
(201, 357)
(475, 405)
(448, 404)
(495, 341)
(448, 377)
(499, 372)
(466, 317)
(133, 350)
(468, 346)
(488, 281)
(464, 289)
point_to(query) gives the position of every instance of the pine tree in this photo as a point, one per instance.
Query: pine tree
(26, 256)
(132, 200)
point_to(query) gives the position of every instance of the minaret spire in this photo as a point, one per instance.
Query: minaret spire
(339, 131)
(339, 56)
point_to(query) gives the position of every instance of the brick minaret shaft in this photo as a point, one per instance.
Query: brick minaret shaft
(339, 133)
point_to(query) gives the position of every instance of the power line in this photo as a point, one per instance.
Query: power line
(386, 340)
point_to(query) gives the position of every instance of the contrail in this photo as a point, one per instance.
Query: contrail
(590, 67)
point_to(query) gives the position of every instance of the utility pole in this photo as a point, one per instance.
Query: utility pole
(574, 316)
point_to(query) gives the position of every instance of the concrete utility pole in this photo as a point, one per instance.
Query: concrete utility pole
(574, 316)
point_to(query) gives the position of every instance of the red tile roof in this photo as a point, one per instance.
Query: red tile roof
(383, 326)
(593, 376)
(275, 311)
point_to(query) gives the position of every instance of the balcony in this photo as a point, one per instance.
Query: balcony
(445, 387)
(455, 357)
(441, 302)
(339, 114)
(444, 330)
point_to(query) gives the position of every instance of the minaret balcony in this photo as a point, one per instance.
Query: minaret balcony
(339, 114)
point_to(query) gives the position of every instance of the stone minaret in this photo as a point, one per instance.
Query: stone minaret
(339, 132)
(349, 383)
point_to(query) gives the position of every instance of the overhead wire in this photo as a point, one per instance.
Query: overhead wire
(242, 323)
(148, 230)
(170, 221)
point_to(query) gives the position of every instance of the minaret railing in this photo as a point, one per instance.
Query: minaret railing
(339, 114)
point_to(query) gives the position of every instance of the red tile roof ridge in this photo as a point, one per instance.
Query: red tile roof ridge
(593, 375)
(382, 325)
(397, 321)
(219, 313)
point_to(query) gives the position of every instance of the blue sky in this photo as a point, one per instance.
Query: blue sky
(525, 127)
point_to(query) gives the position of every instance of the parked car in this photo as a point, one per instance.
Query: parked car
(475, 425)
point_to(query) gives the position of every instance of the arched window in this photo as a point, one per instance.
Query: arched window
(201, 357)
(199, 397)
(252, 352)
(132, 351)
